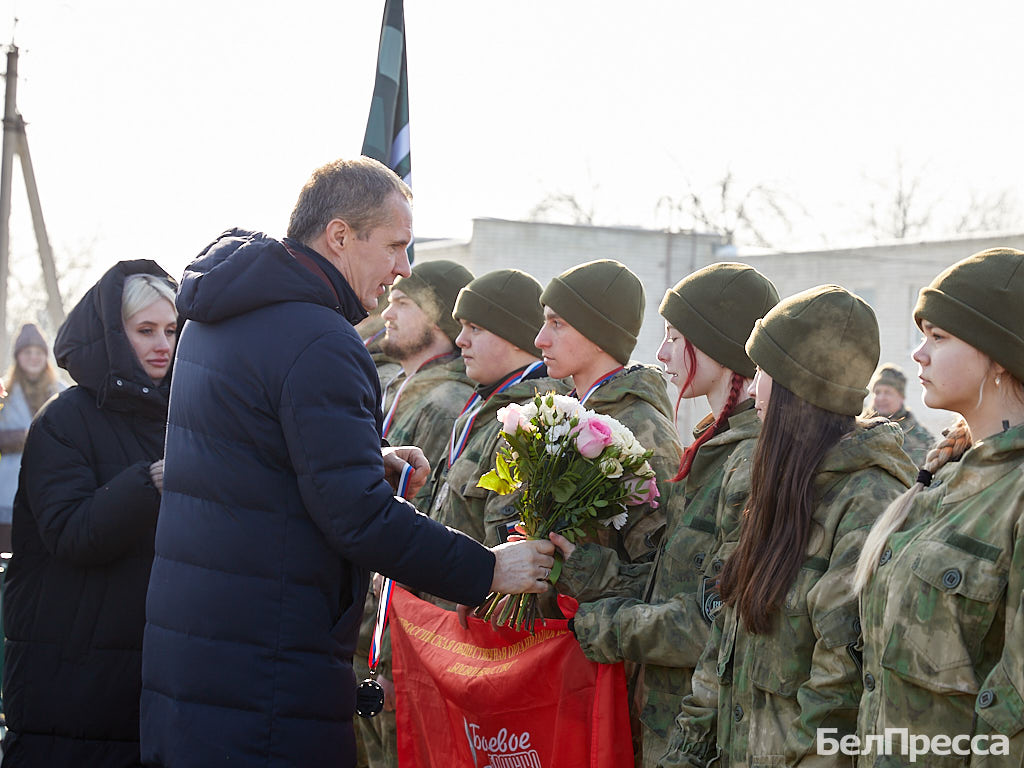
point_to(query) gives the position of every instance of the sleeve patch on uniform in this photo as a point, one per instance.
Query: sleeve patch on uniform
(710, 600)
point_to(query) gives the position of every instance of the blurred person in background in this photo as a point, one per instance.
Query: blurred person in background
(888, 389)
(84, 520)
(31, 381)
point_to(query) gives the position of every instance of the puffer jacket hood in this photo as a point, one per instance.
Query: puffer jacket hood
(876, 443)
(93, 347)
(241, 271)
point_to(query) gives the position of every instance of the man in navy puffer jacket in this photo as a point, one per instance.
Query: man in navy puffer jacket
(275, 502)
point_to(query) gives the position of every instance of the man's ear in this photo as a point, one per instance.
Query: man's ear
(337, 235)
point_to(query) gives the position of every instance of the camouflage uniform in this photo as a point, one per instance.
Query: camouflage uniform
(758, 700)
(668, 631)
(943, 616)
(429, 404)
(638, 399)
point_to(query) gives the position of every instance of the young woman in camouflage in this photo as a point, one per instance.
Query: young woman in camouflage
(664, 621)
(782, 659)
(941, 577)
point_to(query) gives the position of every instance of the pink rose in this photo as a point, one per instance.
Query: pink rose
(592, 437)
(642, 490)
(511, 417)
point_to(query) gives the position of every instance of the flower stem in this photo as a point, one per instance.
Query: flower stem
(506, 610)
(487, 608)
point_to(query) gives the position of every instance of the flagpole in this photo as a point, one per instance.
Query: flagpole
(387, 126)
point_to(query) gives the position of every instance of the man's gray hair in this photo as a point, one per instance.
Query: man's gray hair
(352, 190)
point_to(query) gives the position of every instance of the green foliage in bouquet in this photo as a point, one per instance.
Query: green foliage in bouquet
(575, 470)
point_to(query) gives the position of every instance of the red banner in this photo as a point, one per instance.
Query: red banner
(485, 698)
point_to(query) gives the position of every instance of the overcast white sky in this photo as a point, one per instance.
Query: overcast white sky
(154, 126)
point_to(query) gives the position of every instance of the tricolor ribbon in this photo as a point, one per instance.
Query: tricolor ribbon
(597, 384)
(386, 588)
(457, 442)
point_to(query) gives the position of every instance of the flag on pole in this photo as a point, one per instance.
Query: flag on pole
(387, 129)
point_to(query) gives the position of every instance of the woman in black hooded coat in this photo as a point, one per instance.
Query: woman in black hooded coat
(84, 520)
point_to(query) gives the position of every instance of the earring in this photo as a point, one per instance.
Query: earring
(998, 379)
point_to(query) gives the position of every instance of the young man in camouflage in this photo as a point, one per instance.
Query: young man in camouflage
(888, 389)
(592, 316)
(421, 402)
(499, 314)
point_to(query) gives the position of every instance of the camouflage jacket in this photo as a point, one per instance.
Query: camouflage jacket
(668, 632)
(917, 440)
(758, 700)
(943, 616)
(430, 401)
(637, 398)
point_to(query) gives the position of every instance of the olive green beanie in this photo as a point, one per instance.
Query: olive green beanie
(821, 345)
(890, 375)
(604, 301)
(979, 300)
(434, 286)
(715, 309)
(505, 302)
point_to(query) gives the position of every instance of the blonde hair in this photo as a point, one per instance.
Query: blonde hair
(141, 290)
(952, 447)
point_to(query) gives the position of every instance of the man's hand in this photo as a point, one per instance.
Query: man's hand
(156, 474)
(395, 460)
(522, 566)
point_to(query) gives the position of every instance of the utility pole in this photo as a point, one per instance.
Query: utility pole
(16, 141)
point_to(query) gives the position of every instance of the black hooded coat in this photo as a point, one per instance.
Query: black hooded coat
(84, 520)
(275, 509)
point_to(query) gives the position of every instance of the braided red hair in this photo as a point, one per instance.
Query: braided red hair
(735, 390)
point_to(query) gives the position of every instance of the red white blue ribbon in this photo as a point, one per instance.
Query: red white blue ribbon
(386, 588)
(597, 384)
(382, 622)
(457, 442)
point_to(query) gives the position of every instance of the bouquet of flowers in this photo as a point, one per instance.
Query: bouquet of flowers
(577, 470)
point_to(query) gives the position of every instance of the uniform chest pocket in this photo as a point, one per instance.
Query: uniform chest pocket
(948, 610)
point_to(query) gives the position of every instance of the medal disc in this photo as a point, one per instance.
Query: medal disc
(369, 698)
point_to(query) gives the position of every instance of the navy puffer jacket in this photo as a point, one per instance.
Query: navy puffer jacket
(274, 510)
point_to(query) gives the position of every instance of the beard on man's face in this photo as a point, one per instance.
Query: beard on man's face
(401, 350)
